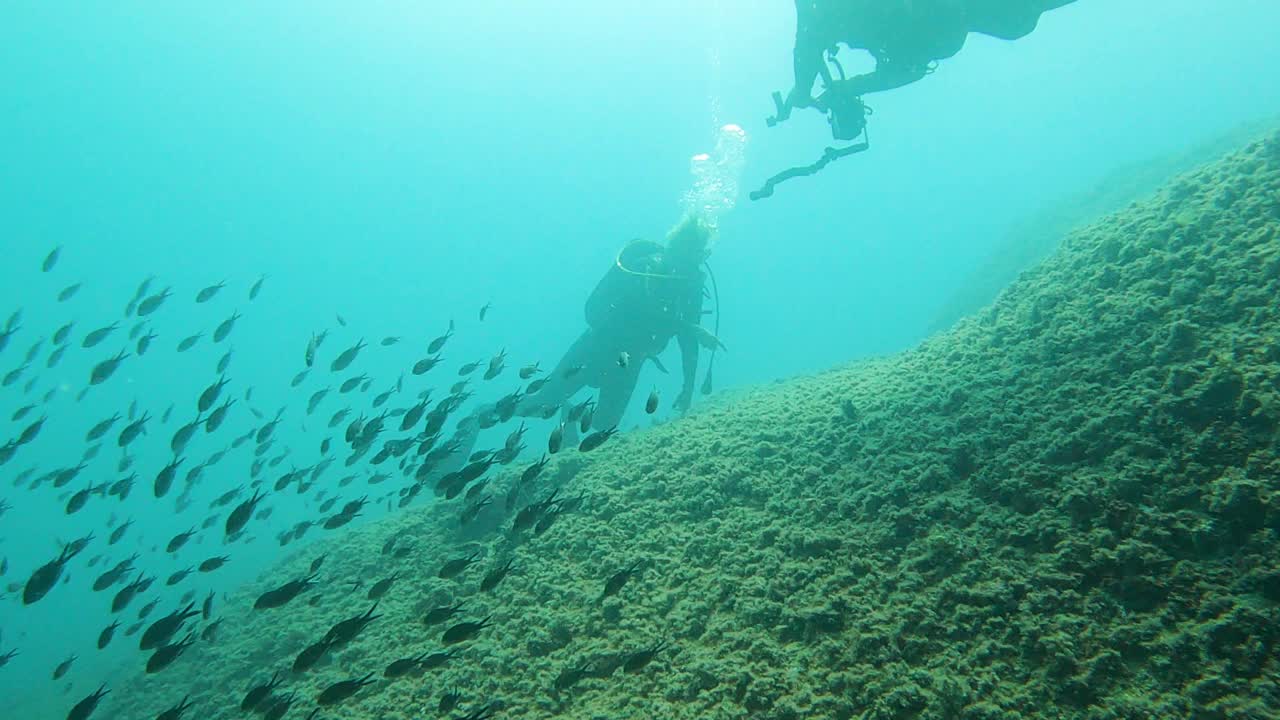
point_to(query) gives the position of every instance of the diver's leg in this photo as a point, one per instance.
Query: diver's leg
(614, 396)
(560, 388)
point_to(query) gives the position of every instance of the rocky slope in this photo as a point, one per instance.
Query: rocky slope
(1067, 506)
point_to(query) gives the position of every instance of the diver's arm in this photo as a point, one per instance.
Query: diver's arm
(807, 60)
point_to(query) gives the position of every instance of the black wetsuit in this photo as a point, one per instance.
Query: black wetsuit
(903, 37)
(634, 311)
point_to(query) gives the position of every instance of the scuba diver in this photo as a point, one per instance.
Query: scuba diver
(905, 37)
(652, 293)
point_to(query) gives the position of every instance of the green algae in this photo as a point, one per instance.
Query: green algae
(1067, 506)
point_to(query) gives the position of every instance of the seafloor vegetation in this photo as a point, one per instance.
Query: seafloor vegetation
(1067, 506)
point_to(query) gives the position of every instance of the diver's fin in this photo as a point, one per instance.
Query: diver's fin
(658, 364)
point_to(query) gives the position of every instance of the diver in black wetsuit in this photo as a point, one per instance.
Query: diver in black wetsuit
(906, 38)
(652, 293)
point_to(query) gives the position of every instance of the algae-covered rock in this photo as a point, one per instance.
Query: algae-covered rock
(1067, 506)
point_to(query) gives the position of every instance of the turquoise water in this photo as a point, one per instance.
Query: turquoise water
(404, 165)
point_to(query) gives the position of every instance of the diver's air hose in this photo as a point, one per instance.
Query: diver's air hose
(715, 295)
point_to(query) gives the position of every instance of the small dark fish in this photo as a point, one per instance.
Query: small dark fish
(76, 502)
(210, 394)
(133, 430)
(105, 369)
(51, 259)
(55, 357)
(280, 596)
(98, 335)
(310, 655)
(596, 439)
(210, 631)
(152, 303)
(637, 661)
(438, 615)
(352, 383)
(206, 608)
(495, 576)
(189, 342)
(31, 432)
(60, 336)
(529, 371)
(175, 712)
(532, 472)
(178, 576)
(47, 575)
(144, 343)
(224, 328)
(438, 343)
(68, 292)
(260, 692)
(435, 660)
(464, 631)
(164, 478)
(83, 709)
(448, 701)
(651, 404)
(556, 439)
(618, 579)
(108, 632)
(183, 435)
(164, 656)
(342, 690)
(545, 522)
(213, 563)
(381, 587)
(119, 531)
(425, 364)
(127, 594)
(63, 667)
(13, 376)
(257, 288)
(390, 340)
(166, 627)
(224, 362)
(216, 418)
(346, 357)
(404, 666)
(177, 541)
(265, 432)
(312, 345)
(241, 514)
(315, 564)
(571, 676)
(454, 567)
(207, 294)
(347, 630)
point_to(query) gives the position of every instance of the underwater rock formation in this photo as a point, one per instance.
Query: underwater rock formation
(1066, 506)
